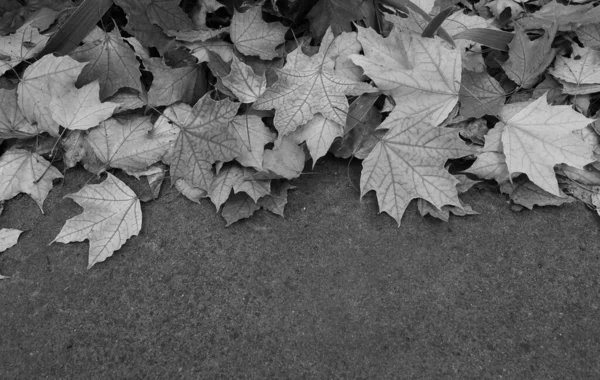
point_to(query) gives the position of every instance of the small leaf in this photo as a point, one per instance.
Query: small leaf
(253, 36)
(25, 172)
(8, 238)
(112, 214)
(239, 206)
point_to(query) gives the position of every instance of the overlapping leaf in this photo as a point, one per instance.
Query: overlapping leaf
(408, 163)
(251, 35)
(307, 86)
(110, 61)
(205, 137)
(26, 172)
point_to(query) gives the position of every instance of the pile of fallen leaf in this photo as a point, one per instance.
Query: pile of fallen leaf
(229, 99)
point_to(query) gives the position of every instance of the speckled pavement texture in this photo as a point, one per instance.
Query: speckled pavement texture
(333, 291)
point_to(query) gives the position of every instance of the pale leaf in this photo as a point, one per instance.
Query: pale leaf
(252, 136)
(170, 85)
(318, 134)
(8, 238)
(251, 35)
(12, 122)
(25, 172)
(24, 44)
(243, 82)
(307, 86)
(408, 163)
(81, 108)
(34, 95)
(539, 137)
(131, 143)
(111, 215)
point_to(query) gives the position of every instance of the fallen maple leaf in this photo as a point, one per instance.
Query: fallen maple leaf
(539, 136)
(24, 44)
(252, 136)
(34, 95)
(110, 61)
(420, 74)
(8, 238)
(26, 172)
(170, 85)
(318, 134)
(205, 137)
(112, 214)
(408, 163)
(243, 82)
(130, 143)
(337, 14)
(81, 108)
(307, 86)
(168, 15)
(12, 122)
(138, 24)
(528, 59)
(253, 36)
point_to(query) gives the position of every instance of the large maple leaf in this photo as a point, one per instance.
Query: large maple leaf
(307, 86)
(408, 163)
(205, 137)
(111, 215)
(539, 136)
(420, 74)
(110, 61)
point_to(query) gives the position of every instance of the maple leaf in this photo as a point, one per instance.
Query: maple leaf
(138, 24)
(337, 14)
(526, 193)
(238, 206)
(581, 68)
(527, 60)
(253, 36)
(26, 172)
(34, 95)
(130, 143)
(24, 44)
(110, 61)
(276, 201)
(112, 214)
(285, 160)
(168, 15)
(235, 178)
(252, 136)
(243, 82)
(81, 108)
(480, 95)
(307, 86)
(318, 134)
(540, 136)
(8, 238)
(491, 161)
(204, 138)
(424, 83)
(170, 85)
(408, 163)
(12, 122)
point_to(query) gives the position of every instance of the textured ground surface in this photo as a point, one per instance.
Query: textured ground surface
(332, 291)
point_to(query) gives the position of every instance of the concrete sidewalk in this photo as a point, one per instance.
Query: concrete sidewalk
(331, 291)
